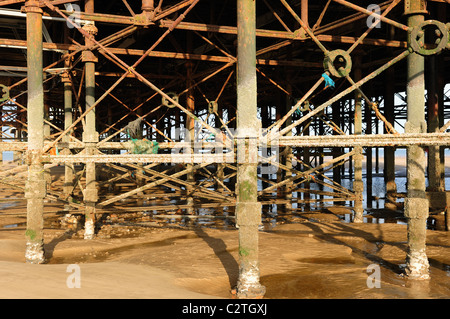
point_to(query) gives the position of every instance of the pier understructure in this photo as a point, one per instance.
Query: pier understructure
(237, 110)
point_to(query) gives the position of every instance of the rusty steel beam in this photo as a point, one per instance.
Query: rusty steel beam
(373, 14)
(275, 134)
(145, 158)
(149, 185)
(41, 3)
(131, 69)
(400, 140)
(374, 140)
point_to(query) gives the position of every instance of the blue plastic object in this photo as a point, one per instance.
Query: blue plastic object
(328, 81)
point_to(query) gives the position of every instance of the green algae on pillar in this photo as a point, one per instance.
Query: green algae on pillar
(35, 189)
(416, 203)
(248, 209)
(358, 184)
(90, 135)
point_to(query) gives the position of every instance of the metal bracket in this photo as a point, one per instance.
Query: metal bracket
(143, 19)
(341, 56)
(304, 107)
(417, 37)
(415, 7)
(213, 107)
(167, 103)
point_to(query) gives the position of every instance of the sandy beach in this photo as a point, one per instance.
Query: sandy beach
(309, 255)
(324, 258)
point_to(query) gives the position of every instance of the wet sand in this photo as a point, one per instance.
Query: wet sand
(318, 260)
(314, 255)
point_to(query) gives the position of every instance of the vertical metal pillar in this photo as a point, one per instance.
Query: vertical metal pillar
(220, 166)
(337, 151)
(287, 156)
(416, 203)
(306, 160)
(90, 135)
(389, 152)
(35, 187)
(440, 85)
(190, 128)
(321, 156)
(304, 11)
(358, 184)
(140, 135)
(369, 158)
(68, 119)
(435, 181)
(248, 209)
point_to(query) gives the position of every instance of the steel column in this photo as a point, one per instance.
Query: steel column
(68, 120)
(190, 122)
(435, 180)
(248, 209)
(389, 152)
(358, 184)
(36, 186)
(90, 135)
(416, 203)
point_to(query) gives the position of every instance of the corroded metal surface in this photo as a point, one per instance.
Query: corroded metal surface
(151, 60)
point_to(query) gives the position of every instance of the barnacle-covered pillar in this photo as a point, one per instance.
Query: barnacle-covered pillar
(416, 203)
(90, 135)
(248, 209)
(35, 186)
(69, 172)
(358, 184)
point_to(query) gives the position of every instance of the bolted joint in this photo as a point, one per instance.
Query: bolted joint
(248, 213)
(91, 139)
(213, 107)
(65, 78)
(90, 28)
(415, 7)
(148, 5)
(416, 38)
(88, 56)
(31, 6)
(300, 33)
(338, 63)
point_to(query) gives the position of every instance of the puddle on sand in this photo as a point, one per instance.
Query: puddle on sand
(100, 256)
(12, 226)
(299, 284)
(343, 278)
(327, 260)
